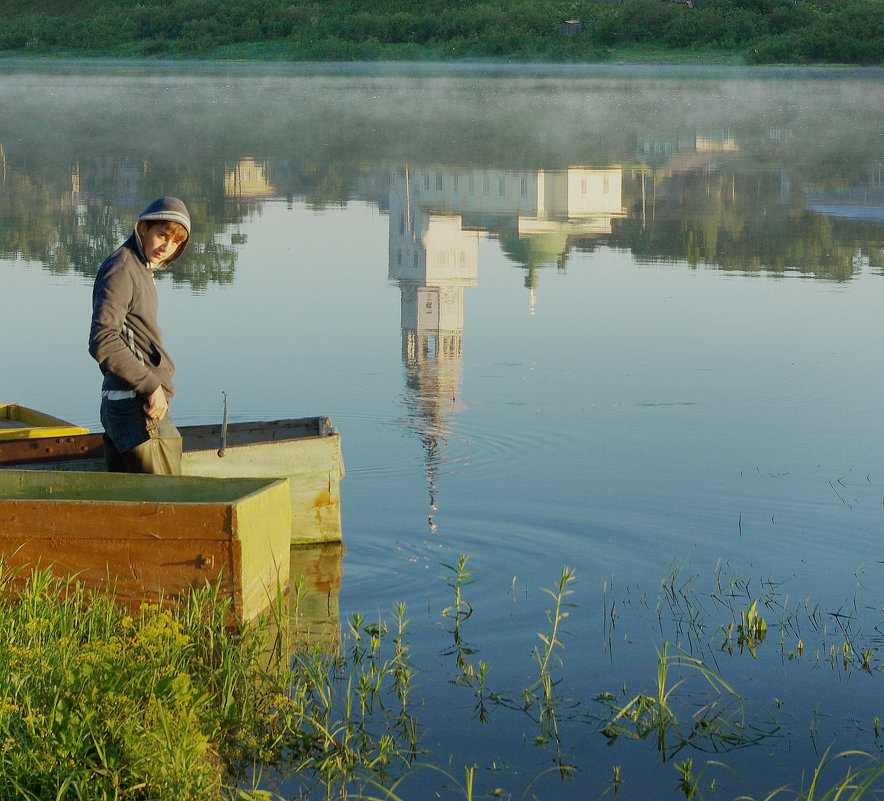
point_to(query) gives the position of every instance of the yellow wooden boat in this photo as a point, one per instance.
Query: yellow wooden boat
(153, 537)
(307, 451)
(20, 422)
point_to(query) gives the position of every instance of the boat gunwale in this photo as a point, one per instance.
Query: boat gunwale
(253, 484)
(76, 447)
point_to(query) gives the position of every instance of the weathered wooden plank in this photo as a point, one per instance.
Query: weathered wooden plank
(260, 558)
(146, 571)
(67, 449)
(140, 520)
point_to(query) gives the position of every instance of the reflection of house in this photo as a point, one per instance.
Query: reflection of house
(672, 154)
(433, 258)
(538, 214)
(248, 179)
(573, 204)
(860, 201)
(117, 180)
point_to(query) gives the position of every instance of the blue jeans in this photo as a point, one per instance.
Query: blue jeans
(134, 443)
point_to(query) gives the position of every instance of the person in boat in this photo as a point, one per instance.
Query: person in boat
(126, 341)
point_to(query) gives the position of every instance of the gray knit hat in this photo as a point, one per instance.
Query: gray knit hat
(166, 209)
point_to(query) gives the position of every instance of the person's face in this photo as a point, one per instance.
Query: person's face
(159, 242)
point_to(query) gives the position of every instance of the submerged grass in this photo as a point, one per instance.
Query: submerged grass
(719, 724)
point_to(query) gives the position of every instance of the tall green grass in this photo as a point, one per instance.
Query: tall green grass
(99, 701)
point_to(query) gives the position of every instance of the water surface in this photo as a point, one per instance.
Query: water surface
(624, 320)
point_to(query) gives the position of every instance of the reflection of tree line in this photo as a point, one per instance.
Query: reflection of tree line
(740, 221)
(69, 219)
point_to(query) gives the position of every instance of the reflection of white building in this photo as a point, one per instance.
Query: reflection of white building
(547, 210)
(587, 199)
(433, 258)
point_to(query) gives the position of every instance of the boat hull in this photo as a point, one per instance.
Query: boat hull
(152, 537)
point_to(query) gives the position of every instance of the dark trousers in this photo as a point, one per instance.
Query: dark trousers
(134, 443)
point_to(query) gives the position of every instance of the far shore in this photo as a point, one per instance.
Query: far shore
(671, 61)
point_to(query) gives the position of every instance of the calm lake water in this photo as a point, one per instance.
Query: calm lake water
(624, 320)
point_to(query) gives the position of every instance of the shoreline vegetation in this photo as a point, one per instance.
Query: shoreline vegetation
(176, 703)
(732, 32)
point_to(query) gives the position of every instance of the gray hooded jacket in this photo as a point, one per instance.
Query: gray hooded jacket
(125, 338)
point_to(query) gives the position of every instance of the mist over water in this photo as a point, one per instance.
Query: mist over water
(621, 319)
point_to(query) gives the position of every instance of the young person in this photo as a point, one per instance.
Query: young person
(126, 341)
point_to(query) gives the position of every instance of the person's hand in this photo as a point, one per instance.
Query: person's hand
(157, 405)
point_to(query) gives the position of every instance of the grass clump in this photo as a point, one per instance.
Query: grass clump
(96, 702)
(99, 701)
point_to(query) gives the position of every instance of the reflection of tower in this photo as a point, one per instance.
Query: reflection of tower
(432, 258)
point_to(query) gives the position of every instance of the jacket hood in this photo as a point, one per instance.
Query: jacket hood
(166, 209)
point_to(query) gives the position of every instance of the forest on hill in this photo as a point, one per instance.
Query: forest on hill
(739, 31)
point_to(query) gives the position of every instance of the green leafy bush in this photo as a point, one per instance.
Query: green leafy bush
(766, 30)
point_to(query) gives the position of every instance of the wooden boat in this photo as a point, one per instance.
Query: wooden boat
(307, 451)
(20, 422)
(153, 537)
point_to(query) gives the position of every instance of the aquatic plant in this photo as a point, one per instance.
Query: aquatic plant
(549, 657)
(719, 724)
(863, 782)
(461, 576)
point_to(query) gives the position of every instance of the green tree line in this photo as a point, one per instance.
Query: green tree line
(760, 31)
